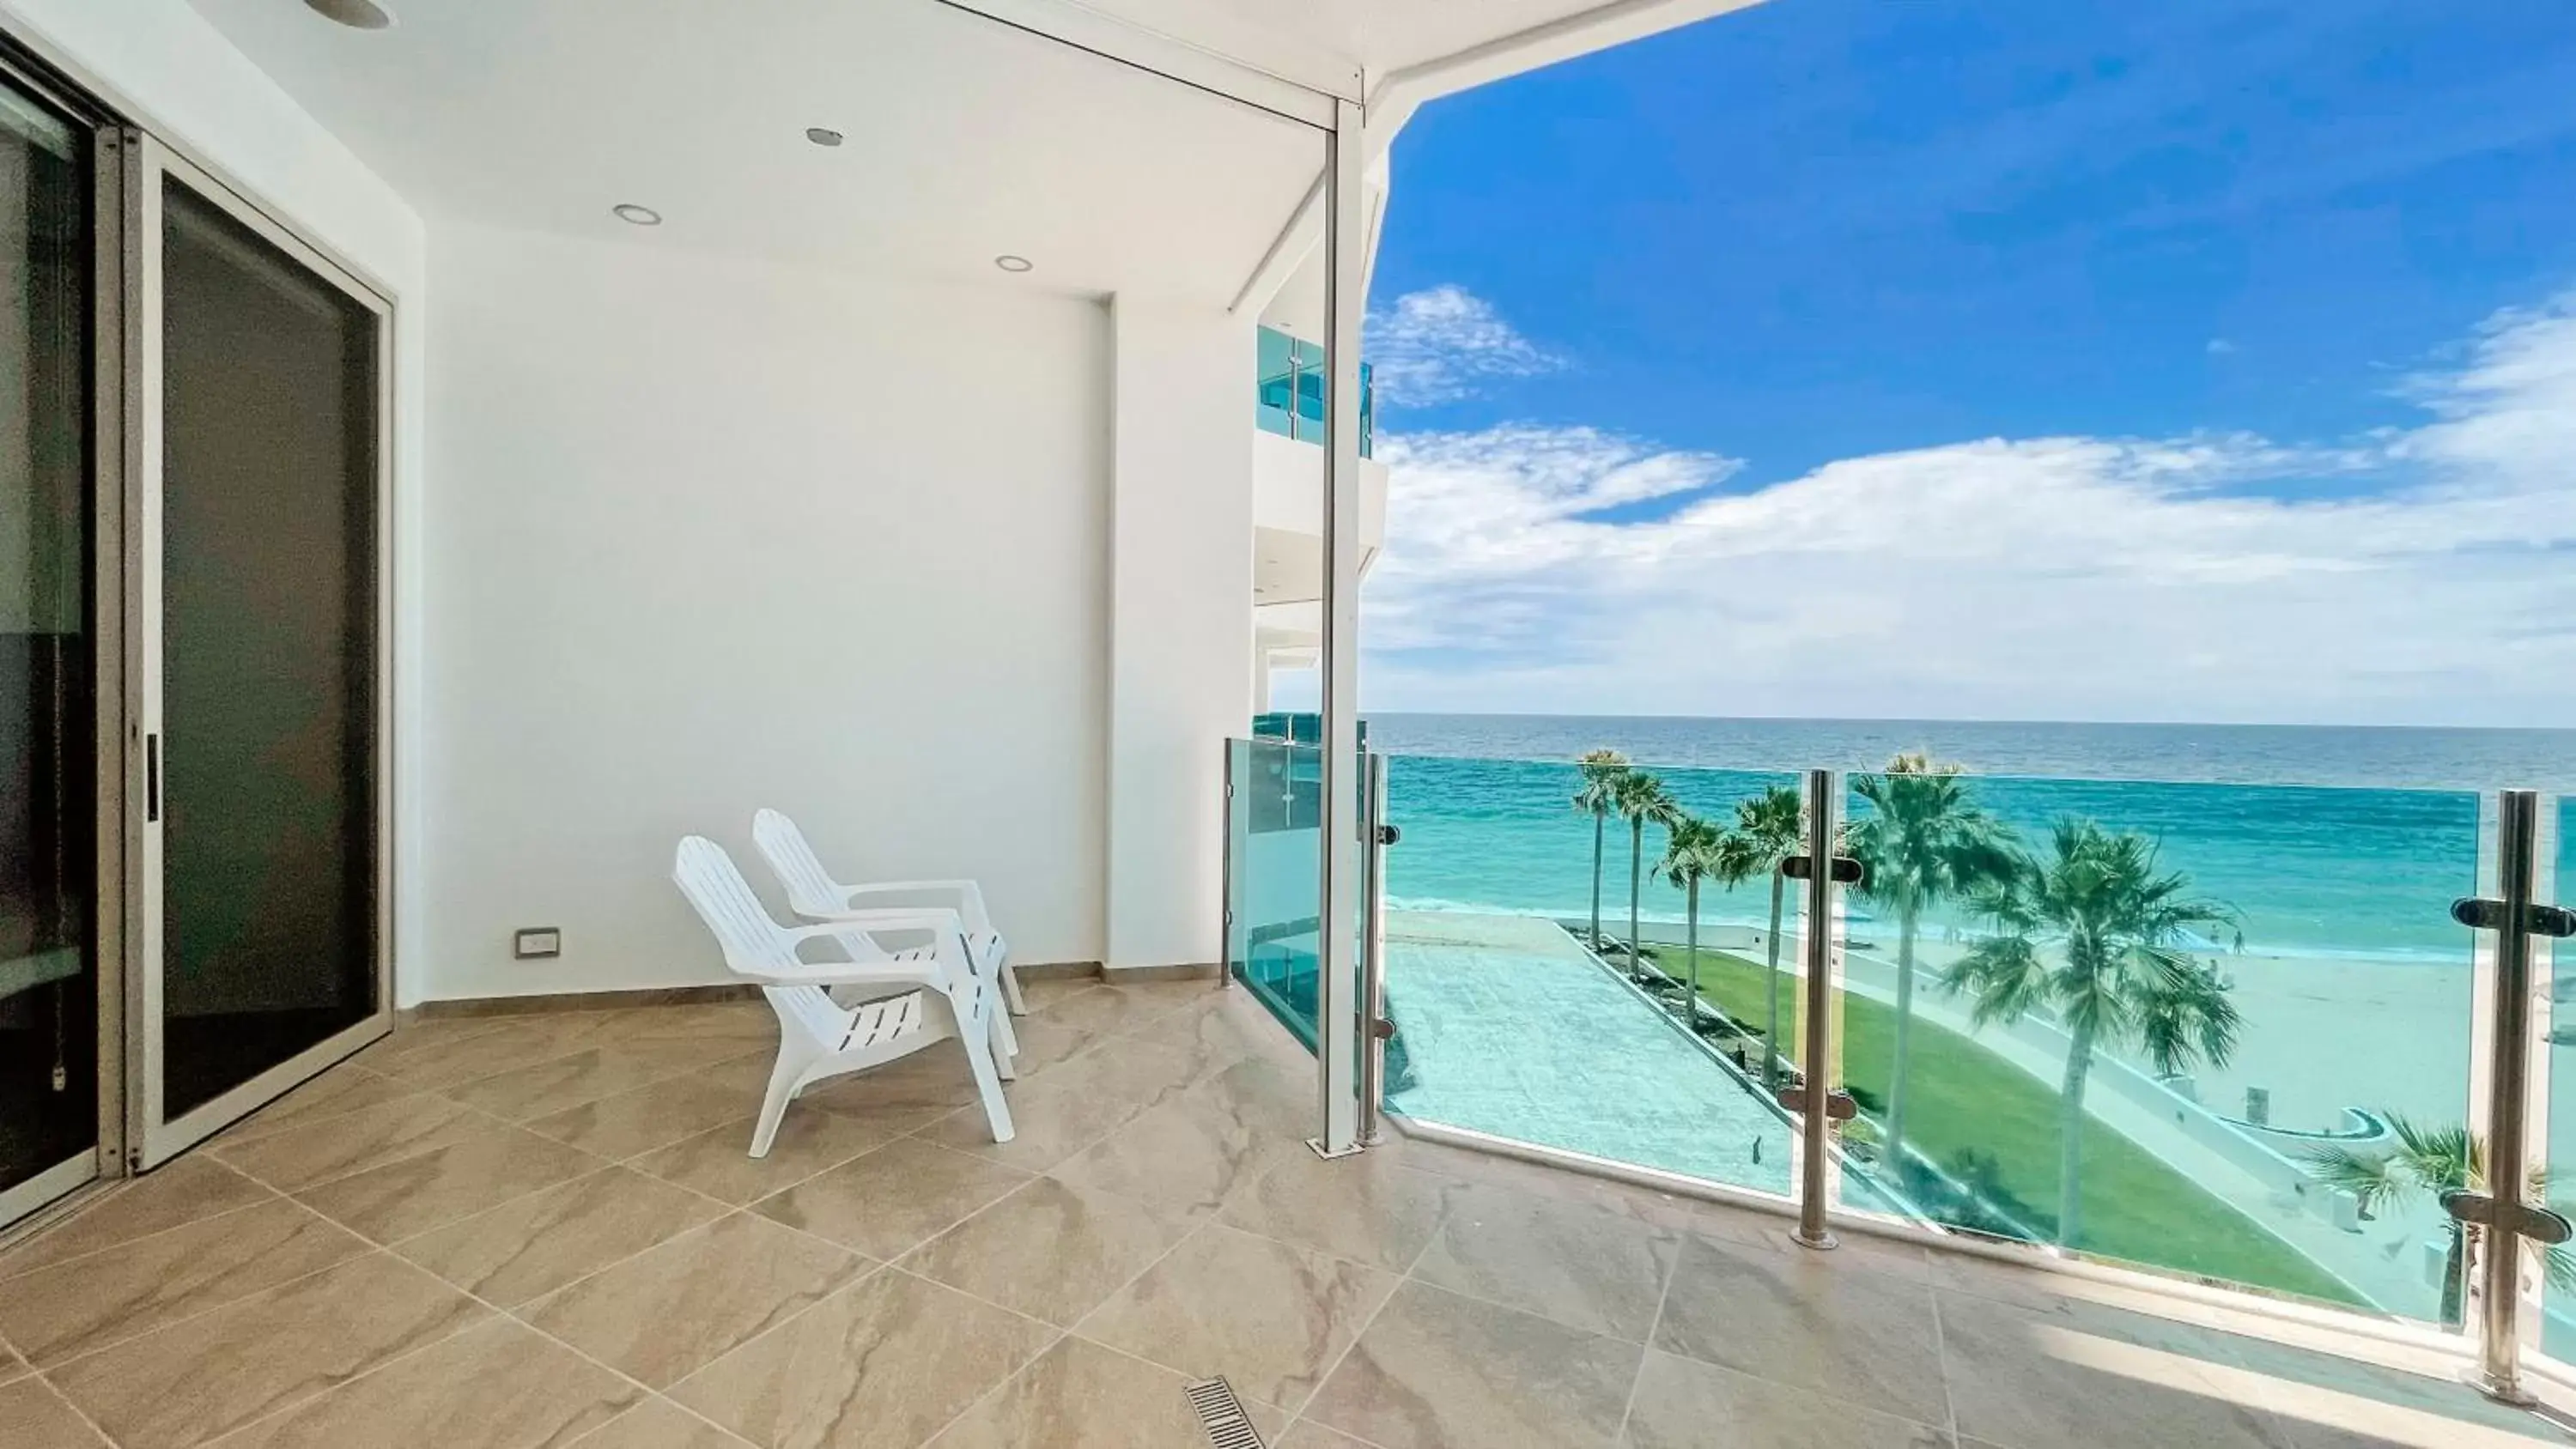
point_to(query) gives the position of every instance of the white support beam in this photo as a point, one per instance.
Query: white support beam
(1394, 97)
(1290, 81)
(1288, 251)
(1337, 1025)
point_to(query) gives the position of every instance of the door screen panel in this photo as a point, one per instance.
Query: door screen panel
(268, 641)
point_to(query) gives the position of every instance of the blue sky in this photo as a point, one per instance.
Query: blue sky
(2273, 301)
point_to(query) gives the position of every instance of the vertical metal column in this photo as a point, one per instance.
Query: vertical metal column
(1815, 1120)
(1337, 1024)
(2499, 1211)
(1374, 1027)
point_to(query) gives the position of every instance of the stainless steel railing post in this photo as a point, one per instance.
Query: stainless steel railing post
(1815, 1120)
(2500, 1209)
(1373, 1022)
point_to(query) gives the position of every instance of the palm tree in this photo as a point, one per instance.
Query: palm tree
(2430, 1162)
(1925, 841)
(1696, 852)
(1601, 771)
(1769, 828)
(1640, 797)
(2116, 970)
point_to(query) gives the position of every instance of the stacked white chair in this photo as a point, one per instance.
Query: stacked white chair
(813, 894)
(936, 991)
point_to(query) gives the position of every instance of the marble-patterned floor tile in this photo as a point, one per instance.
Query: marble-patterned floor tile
(1045, 1044)
(1679, 1401)
(344, 1088)
(905, 1094)
(1438, 1371)
(1192, 1153)
(1059, 1113)
(657, 1115)
(33, 1416)
(2325, 1400)
(1270, 1317)
(1807, 1321)
(718, 1161)
(657, 1423)
(221, 1370)
(751, 1023)
(1079, 1395)
(1041, 992)
(661, 1315)
(2094, 1376)
(562, 1083)
(85, 1304)
(1112, 1010)
(1585, 1266)
(497, 1385)
(1229, 1025)
(881, 1366)
(529, 1247)
(1307, 1434)
(431, 1189)
(892, 1200)
(12, 1367)
(1363, 1208)
(1050, 1250)
(196, 1186)
(440, 1054)
(317, 1152)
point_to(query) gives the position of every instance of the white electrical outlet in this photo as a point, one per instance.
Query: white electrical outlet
(535, 943)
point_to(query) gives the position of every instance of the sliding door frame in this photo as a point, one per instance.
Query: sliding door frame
(151, 1137)
(106, 468)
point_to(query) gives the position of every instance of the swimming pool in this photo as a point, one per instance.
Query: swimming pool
(1510, 1029)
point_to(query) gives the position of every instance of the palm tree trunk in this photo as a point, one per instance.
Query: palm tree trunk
(1636, 881)
(1905, 921)
(1771, 1025)
(1692, 1000)
(2070, 1138)
(1600, 818)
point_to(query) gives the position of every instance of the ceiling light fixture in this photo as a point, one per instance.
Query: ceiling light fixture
(356, 14)
(628, 211)
(1010, 263)
(822, 135)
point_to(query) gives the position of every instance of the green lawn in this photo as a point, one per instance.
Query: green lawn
(1990, 1123)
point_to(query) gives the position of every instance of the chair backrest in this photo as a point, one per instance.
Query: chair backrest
(810, 888)
(751, 940)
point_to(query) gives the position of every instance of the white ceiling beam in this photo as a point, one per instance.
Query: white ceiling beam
(1393, 100)
(1300, 85)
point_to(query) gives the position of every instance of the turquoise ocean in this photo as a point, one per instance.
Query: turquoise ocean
(2327, 841)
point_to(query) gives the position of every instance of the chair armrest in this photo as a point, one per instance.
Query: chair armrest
(949, 956)
(965, 897)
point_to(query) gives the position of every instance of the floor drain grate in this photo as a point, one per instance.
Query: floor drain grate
(1221, 1415)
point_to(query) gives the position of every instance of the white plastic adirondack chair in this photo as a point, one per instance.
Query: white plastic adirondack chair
(813, 894)
(818, 1038)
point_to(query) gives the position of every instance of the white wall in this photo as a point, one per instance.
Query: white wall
(711, 535)
(1180, 611)
(160, 64)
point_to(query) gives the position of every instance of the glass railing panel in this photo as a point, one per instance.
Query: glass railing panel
(2237, 1001)
(1274, 876)
(1516, 1017)
(1291, 380)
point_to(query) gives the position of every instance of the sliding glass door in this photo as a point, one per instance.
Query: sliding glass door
(260, 602)
(49, 780)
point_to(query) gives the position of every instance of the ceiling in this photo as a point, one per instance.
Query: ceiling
(1380, 35)
(965, 138)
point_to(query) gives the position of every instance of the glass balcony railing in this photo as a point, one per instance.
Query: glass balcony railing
(1290, 393)
(2220, 1031)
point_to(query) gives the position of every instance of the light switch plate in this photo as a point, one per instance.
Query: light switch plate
(535, 943)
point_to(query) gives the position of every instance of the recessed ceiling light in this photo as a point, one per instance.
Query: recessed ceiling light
(822, 135)
(1010, 263)
(639, 215)
(356, 14)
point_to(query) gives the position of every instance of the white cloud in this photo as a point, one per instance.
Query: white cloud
(2219, 577)
(1436, 345)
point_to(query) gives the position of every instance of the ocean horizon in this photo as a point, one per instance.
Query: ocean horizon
(2337, 842)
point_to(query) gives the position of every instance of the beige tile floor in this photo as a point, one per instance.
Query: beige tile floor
(543, 1231)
